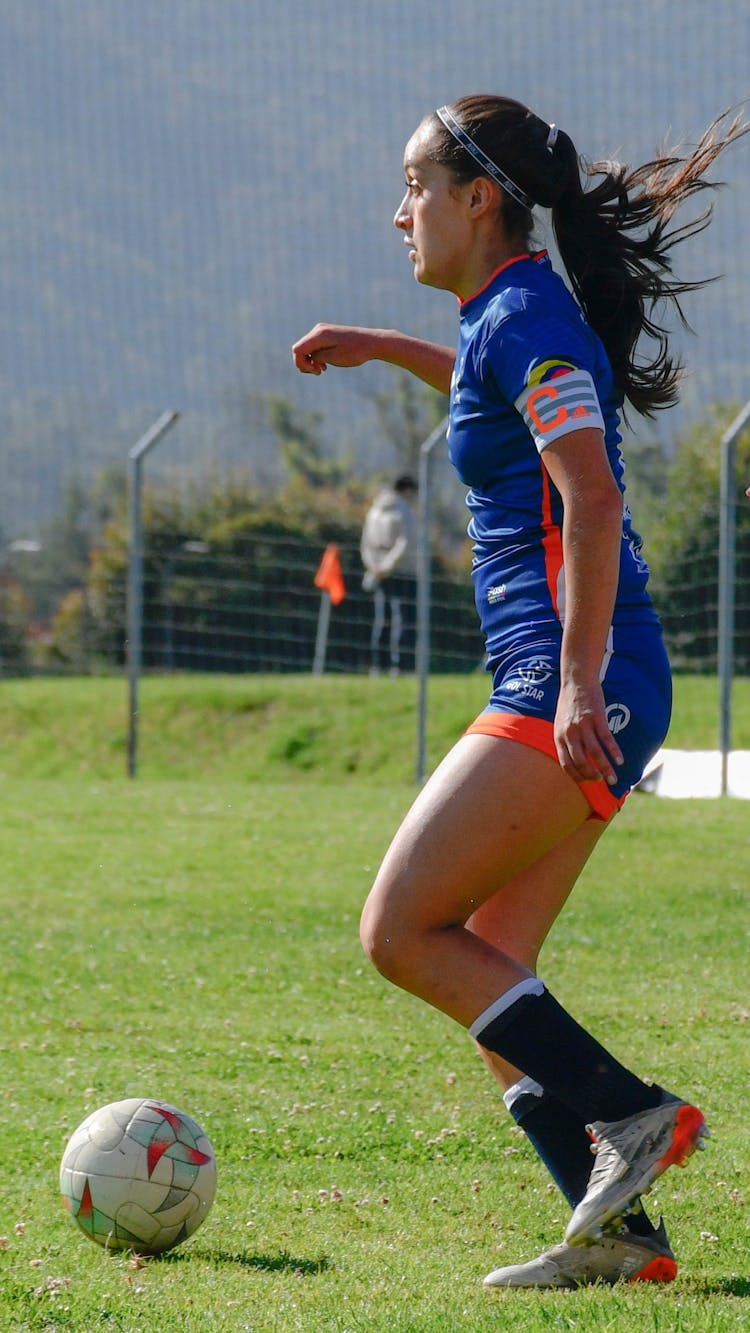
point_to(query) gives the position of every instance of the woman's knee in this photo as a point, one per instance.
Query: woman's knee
(374, 936)
(387, 939)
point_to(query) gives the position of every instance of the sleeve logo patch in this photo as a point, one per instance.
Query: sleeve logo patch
(548, 370)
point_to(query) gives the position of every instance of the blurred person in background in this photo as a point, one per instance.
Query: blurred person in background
(389, 554)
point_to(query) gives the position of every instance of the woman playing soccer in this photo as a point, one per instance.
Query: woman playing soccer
(485, 859)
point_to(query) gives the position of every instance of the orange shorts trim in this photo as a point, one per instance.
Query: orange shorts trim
(538, 734)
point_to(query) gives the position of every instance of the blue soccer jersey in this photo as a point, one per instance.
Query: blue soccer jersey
(529, 370)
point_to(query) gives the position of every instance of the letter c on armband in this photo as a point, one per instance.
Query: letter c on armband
(549, 422)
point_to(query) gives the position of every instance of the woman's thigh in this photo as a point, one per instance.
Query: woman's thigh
(491, 810)
(518, 918)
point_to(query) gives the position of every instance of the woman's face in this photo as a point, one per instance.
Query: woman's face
(434, 216)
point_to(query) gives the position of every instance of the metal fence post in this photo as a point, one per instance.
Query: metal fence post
(727, 503)
(423, 591)
(134, 639)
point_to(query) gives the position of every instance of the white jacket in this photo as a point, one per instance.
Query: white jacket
(389, 536)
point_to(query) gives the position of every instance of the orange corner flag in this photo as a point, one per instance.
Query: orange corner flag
(329, 577)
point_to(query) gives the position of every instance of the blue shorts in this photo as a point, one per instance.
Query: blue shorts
(637, 687)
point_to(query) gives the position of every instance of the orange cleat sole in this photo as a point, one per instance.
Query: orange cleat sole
(689, 1128)
(660, 1269)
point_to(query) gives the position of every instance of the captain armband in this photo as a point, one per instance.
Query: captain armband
(560, 405)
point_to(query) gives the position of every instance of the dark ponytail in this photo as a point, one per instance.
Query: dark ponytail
(614, 236)
(615, 241)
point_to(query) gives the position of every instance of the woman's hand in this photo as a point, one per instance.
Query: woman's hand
(586, 748)
(334, 345)
(347, 345)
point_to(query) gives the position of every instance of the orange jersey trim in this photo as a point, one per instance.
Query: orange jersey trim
(551, 543)
(538, 734)
(516, 259)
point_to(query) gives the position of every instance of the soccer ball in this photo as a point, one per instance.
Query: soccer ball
(138, 1175)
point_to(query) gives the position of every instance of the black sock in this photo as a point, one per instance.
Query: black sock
(537, 1036)
(559, 1137)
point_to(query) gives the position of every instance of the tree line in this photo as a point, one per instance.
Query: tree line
(229, 569)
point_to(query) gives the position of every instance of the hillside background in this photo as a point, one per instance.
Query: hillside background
(187, 186)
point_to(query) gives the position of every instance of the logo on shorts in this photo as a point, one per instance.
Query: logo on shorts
(496, 594)
(618, 716)
(537, 669)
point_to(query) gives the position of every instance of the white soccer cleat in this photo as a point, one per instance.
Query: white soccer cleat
(630, 1155)
(622, 1256)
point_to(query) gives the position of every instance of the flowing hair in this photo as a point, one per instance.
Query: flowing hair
(611, 223)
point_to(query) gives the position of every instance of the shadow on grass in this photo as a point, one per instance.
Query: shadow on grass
(728, 1286)
(264, 1263)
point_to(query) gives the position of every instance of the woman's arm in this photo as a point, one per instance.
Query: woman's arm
(592, 538)
(346, 345)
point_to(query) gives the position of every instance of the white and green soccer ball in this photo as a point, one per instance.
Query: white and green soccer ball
(138, 1175)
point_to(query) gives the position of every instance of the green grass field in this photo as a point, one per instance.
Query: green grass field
(281, 728)
(193, 936)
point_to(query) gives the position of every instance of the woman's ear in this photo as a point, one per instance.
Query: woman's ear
(484, 195)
